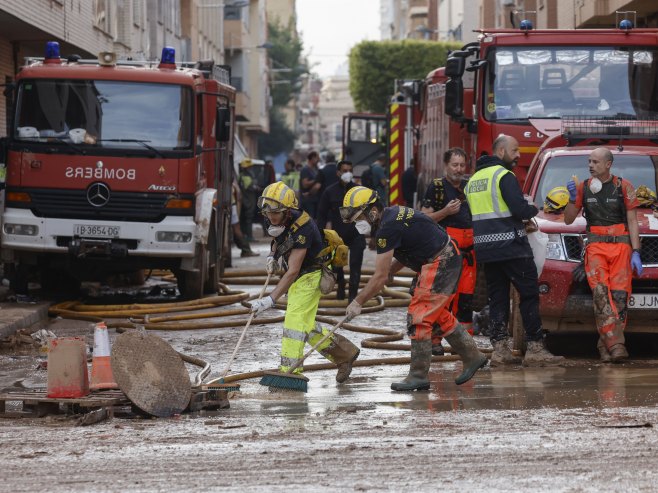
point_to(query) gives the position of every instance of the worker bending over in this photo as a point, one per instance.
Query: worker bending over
(295, 248)
(406, 237)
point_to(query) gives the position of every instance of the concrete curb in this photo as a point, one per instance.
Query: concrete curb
(14, 316)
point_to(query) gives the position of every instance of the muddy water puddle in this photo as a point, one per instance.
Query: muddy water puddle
(594, 387)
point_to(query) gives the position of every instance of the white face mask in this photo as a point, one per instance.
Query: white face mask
(346, 177)
(595, 185)
(363, 227)
(275, 230)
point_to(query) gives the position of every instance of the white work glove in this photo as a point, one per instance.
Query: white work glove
(352, 310)
(271, 265)
(262, 304)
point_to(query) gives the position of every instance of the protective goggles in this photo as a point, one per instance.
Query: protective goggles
(348, 214)
(266, 204)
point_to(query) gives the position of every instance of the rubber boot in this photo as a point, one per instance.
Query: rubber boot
(603, 351)
(419, 368)
(502, 354)
(437, 349)
(537, 355)
(343, 354)
(618, 353)
(464, 345)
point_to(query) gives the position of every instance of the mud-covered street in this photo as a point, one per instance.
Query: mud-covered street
(584, 427)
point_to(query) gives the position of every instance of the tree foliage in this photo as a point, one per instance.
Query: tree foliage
(375, 65)
(286, 67)
(286, 61)
(280, 139)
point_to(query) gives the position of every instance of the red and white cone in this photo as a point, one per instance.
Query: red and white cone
(101, 368)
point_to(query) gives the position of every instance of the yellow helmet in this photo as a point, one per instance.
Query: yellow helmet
(645, 196)
(355, 201)
(556, 200)
(246, 163)
(277, 197)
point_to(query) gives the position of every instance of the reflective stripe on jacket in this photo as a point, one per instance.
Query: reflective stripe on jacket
(497, 234)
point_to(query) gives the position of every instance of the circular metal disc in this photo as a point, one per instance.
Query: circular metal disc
(151, 373)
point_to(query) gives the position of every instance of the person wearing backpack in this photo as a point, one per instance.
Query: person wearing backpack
(445, 203)
(329, 210)
(613, 247)
(301, 253)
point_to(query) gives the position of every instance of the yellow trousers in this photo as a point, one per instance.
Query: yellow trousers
(299, 325)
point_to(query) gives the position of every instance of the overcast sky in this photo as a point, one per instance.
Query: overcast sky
(329, 28)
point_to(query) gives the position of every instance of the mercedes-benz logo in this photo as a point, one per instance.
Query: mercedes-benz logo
(98, 194)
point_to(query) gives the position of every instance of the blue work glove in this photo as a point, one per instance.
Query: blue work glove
(571, 186)
(262, 304)
(636, 262)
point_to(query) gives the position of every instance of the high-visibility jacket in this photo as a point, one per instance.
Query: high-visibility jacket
(497, 234)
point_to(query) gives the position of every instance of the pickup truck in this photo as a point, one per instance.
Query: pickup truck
(566, 305)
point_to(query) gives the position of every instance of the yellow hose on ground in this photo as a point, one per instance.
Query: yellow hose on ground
(140, 315)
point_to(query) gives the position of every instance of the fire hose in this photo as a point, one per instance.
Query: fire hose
(158, 316)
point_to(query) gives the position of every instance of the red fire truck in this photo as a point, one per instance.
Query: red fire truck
(526, 74)
(117, 166)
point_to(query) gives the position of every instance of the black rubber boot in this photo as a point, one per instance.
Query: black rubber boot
(472, 359)
(421, 358)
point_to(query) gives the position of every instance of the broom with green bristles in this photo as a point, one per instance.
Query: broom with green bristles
(295, 382)
(235, 387)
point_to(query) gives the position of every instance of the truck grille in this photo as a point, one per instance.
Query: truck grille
(649, 252)
(122, 206)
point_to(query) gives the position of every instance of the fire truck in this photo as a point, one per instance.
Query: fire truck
(117, 166)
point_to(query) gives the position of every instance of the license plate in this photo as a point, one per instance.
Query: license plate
(96, 231)
(643, 301)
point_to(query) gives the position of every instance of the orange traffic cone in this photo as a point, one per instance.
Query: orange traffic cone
(101, 368)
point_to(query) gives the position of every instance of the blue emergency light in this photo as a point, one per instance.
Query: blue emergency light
(52, 50)
(626, 24)
(168, 55)
(526, 25)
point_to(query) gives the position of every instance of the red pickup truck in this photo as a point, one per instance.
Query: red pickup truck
(566, 305)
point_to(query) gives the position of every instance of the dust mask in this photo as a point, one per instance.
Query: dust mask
(595, 185)
(363, 227)
(346, 177)
(275, 230)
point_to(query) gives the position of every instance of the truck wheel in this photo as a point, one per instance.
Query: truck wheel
(191, 283)
(516, 323)
(214, 259)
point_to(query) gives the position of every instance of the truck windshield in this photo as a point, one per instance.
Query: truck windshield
(552, 81)
(638, 170)
(104, 113)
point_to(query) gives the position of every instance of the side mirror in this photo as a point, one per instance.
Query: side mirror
(454, 106)
(223, 124)
(455, 67)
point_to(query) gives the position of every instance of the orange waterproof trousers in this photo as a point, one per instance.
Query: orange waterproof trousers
(432, 293)
(609, 274)
(461, 305)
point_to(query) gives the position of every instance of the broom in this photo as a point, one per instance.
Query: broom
(290, 381)
(236, 386)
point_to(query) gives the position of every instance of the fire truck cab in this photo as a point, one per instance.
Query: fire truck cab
(115, 166)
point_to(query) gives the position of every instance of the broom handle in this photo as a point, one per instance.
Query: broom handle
(327, 336)
(244, 331)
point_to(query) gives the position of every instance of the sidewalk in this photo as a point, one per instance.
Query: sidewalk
(14, 316)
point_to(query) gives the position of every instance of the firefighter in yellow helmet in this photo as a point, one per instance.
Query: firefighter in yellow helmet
(556, 200)
(407, 237)
(297, 242)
